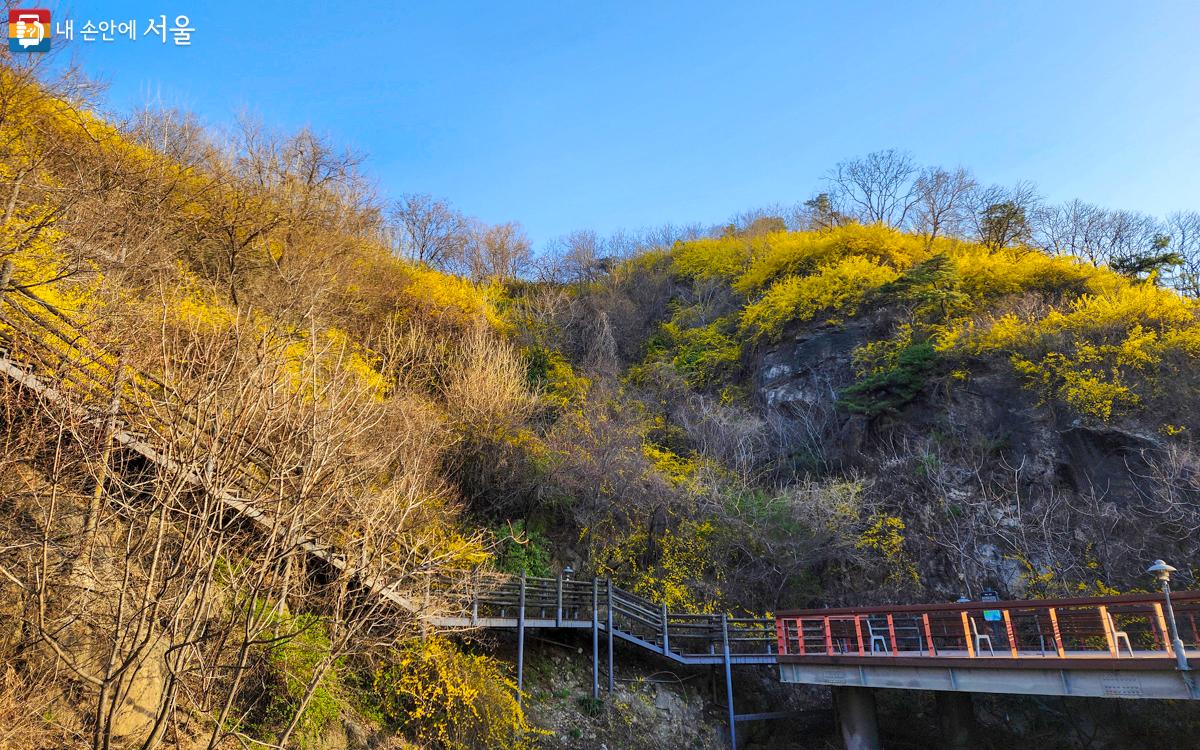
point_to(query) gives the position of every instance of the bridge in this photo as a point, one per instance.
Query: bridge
(1115, 647)
(1099, 647)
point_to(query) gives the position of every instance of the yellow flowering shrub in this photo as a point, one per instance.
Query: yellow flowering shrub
(837, 288)
(550, 371)
(884, 536)
(450, 700)
(195, 306)
(680, 471)
(444, 295)
(712, 258)
(1080, 333)
(1100, 353)
(988, 274)
(782, 254)
(686, 559)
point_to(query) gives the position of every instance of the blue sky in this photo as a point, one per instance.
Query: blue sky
(567, 115)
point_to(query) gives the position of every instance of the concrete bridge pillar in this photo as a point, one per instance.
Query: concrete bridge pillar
(956, 714)
(856, 714)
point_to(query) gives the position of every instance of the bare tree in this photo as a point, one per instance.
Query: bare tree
(573, 258)
(941, 201)
(1098, 235)
(500, 252)
(428, 230)
(262, 196)
(878, 188)
(1072, 228)
(758, 221)
(1183, 228)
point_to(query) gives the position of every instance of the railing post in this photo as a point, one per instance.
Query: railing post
(828, 638)
(800, 634)
(928, 634)
(521, 640)
(595, 639)
(1012, 635)
(728, 680)
(666, 634)
(1058, 643)
(892, 634)
(1108, 636)
(609, 627)
(858, 632)
(558, 604)
(1162, 628)
(967, 634)
(781, 636)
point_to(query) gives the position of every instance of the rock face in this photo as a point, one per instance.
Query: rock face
(796, 382)
(1106, 461)
(981, 449)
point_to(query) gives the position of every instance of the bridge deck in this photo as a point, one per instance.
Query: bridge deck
(1050, 647)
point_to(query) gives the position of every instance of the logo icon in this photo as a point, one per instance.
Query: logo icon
(29, 30)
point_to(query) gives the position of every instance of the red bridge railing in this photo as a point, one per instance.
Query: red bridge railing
(1132, 626)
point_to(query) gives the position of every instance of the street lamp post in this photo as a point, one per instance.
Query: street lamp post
(1163, 572)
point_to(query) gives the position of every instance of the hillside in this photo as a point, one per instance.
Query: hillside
(964, 389)
(738, 420)
(283, 346)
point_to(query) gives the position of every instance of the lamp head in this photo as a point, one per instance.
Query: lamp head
(1161, 570)
(567, 572)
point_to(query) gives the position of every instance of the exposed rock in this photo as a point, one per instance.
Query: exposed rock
(983, 450)
(1105, 460)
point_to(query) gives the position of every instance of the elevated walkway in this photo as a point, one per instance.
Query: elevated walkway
(1108, 647)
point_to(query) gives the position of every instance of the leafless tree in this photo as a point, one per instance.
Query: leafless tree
(1095, 234)
(877, 188)
(500, 252)
(758, 221)
(1183, 228)
(1072, 228)
(261, 196)
(577, 257)
(1128, 233)
(941, 202)
(428, 230)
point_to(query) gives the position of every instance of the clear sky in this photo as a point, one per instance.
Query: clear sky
(568, 115)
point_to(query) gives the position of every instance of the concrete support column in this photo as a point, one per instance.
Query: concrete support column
(956, 714)
(856, 714)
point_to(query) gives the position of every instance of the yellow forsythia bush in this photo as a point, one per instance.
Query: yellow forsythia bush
(449, 700)
(838, 287)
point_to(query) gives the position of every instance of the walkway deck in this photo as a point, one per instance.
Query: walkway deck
(1117, 646)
